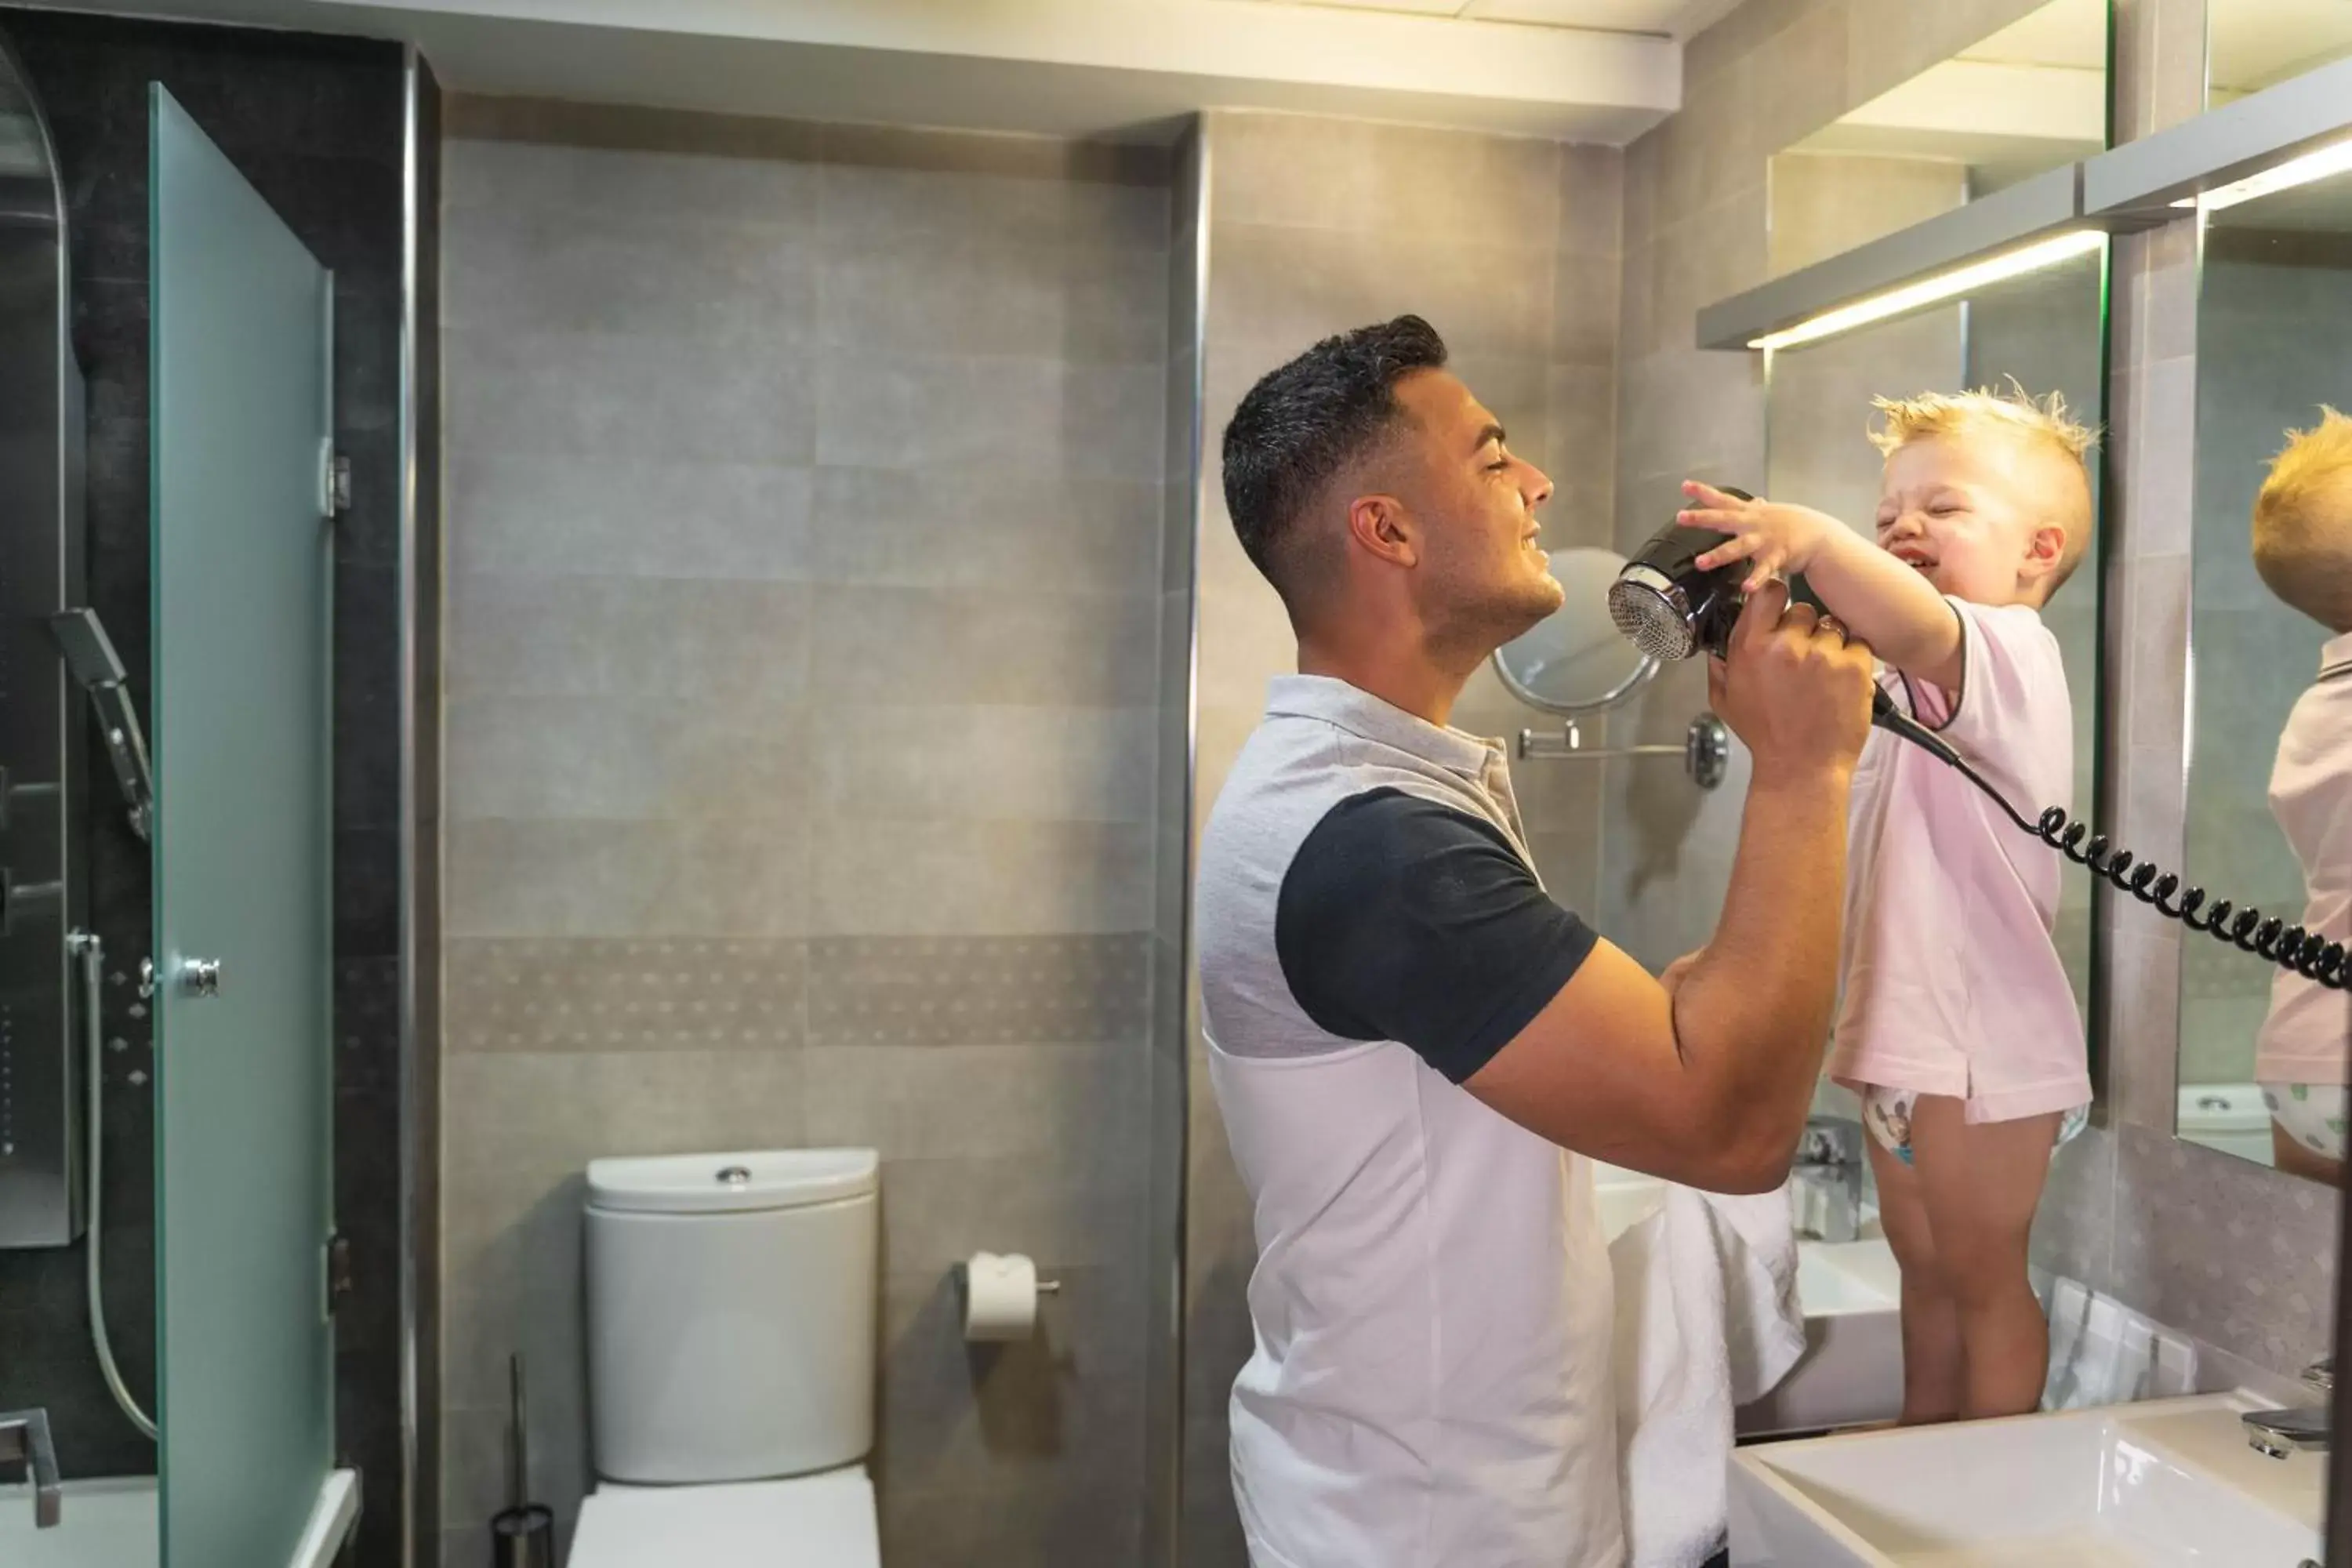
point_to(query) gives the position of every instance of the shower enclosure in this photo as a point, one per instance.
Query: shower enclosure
(243, 494)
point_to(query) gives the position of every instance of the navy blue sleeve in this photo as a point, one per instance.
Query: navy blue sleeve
(1404, 919)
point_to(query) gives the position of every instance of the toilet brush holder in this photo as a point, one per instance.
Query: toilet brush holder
(522, 1535)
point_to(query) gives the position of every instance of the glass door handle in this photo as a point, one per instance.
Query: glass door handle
(200, 978)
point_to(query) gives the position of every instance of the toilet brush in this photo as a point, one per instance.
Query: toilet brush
(522, 1535)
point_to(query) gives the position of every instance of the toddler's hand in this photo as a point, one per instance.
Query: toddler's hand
(1777, 539)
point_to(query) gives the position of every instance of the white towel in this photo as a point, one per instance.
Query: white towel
(1707, 1319)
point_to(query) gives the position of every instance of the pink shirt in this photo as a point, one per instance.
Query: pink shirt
(2303, 1040)
(1952, 985)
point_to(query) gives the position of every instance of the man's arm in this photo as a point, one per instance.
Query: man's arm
(1709, 1085)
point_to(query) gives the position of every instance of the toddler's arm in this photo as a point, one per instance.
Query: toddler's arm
(1882, 601)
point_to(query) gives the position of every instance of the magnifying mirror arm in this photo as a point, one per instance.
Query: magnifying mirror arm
(1705, 751)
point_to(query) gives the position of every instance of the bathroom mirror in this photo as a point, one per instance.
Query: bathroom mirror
(2255, 44)
(1575, 660)
(2262, 1059)
(2042, 331)
(2001, 107)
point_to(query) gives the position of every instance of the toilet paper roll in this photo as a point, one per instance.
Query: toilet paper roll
(1000, 1297)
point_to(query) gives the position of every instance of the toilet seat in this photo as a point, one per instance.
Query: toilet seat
(824, 1520)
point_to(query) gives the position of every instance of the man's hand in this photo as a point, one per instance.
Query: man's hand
(1796, 688)
(1775, 539)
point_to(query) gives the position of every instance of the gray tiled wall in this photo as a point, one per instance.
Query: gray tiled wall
(806, 499)
(1510, 248)
(2252, 1276)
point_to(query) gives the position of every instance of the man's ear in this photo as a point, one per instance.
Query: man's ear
(1382, 525)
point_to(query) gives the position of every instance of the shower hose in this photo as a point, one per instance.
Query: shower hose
(86, 946)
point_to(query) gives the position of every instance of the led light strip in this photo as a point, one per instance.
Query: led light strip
(2334, 159)
(1928, 291)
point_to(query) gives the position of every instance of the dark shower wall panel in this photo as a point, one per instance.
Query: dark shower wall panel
(317, 126)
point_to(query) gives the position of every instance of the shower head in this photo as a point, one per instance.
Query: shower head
(88, 652)
(91, 661)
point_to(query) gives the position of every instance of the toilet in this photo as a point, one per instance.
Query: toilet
(730, 1360)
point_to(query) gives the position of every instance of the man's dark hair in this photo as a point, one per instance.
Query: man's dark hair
(1304, 423)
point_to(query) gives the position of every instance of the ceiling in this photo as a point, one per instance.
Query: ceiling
(2030, 97)
(2071, 34)
(1665, 18)
(1576, 70)
(2251, 44)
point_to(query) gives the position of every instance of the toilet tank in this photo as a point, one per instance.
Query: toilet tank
(731, 1314)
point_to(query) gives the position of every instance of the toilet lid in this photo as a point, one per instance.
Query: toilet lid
(812, 1521)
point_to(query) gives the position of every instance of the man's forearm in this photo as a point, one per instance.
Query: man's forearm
(1753, 1014)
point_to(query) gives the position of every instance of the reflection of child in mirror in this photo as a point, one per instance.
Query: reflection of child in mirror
(1958, 1026)
(2303, 549)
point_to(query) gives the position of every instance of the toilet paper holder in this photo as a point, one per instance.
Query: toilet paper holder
(1008, 1304)
(963, 1281)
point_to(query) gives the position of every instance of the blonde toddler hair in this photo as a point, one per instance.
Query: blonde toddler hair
(2303, 522)
(2041, 425)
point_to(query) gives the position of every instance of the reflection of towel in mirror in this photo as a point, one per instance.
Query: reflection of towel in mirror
(1707, 1319)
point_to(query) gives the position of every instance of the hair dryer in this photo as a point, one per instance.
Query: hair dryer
(1671, 609)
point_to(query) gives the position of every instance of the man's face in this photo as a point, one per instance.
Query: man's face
(1483, 579)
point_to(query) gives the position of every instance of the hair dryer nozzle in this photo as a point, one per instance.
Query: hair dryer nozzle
(1666, 605)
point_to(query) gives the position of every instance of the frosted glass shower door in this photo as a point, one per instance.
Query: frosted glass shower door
(242, 566)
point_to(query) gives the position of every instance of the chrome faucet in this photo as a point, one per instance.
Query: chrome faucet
(2307, 1427)
(1829, 1167)
(24, 1438)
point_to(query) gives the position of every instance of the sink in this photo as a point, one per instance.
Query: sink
(1852, 1371)
(2166, 1484)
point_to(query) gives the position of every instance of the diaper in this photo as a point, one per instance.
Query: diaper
(1887, 1113)
(2312, 1114)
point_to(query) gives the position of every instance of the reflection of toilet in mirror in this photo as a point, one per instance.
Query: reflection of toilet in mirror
(2303, 549)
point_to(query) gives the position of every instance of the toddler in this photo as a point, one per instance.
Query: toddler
(2303, 548)
(1956, 1025)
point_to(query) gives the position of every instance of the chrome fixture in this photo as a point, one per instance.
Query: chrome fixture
(25, 1440)
(2305, 1428)
(1705, 750)
(200, 977)
(91, 659)
(1827, 1174)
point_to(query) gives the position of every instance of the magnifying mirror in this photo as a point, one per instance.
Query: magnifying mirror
(1575, 660)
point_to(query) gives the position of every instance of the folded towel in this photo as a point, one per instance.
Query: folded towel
(1707, 1319)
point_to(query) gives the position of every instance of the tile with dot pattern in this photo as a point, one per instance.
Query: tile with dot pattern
(909, 991)
(583, 994)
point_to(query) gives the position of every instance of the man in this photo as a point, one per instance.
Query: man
(1413, 1045)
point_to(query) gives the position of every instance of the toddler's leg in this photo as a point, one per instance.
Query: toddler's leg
(1979, 1185)
(1932, 1365)
(2308, 1130)
(2288, 1154)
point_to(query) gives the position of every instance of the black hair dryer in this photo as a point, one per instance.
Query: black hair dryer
(1670, 609)
(1665, 606)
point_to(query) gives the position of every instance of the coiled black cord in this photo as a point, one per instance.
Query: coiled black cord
(2248, 930)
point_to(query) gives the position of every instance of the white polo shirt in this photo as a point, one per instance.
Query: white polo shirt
(1432, 1303)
